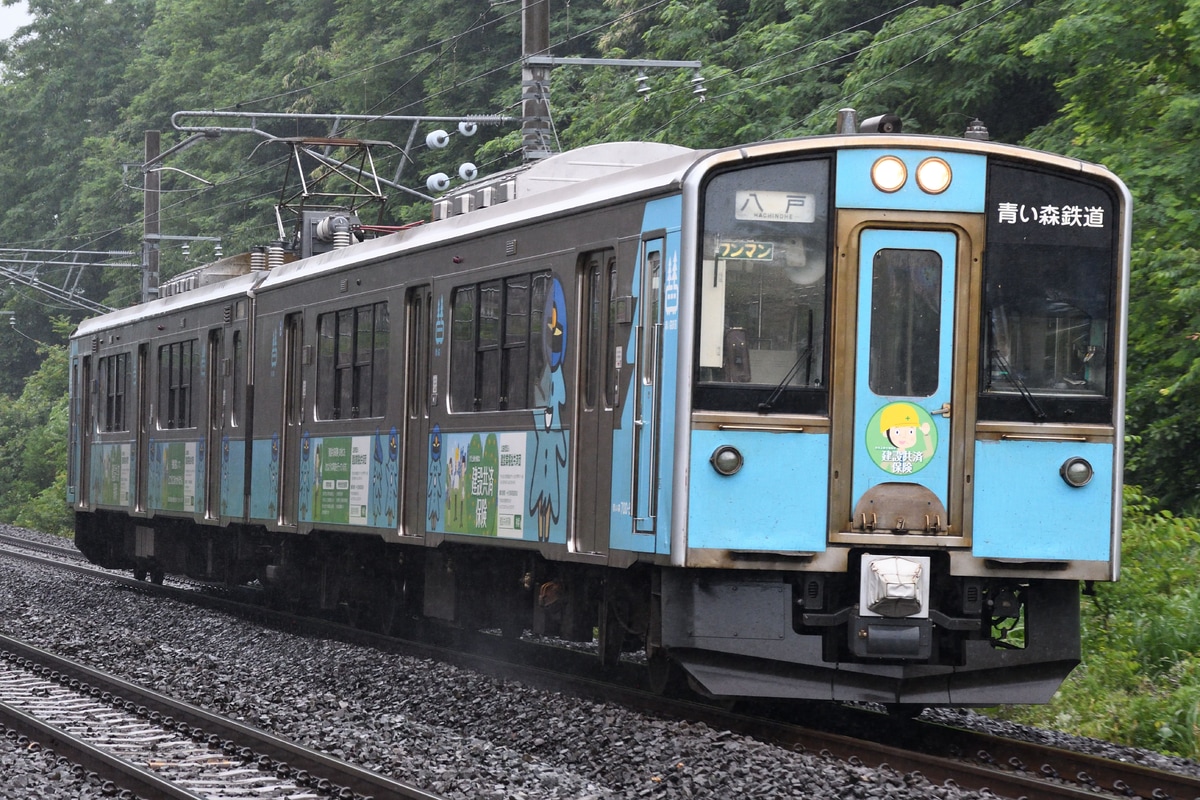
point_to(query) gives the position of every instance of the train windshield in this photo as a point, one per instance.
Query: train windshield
(1049, 274)
(763, 289)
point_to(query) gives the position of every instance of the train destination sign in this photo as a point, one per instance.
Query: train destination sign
(761, 205)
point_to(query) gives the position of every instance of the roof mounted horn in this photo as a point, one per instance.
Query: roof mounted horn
(884, 123)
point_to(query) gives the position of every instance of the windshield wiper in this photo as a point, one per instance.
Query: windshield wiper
(766, 405)
(1016, 381)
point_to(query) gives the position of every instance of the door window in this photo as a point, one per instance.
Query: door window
(906, 289)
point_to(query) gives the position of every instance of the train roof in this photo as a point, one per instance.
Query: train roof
(578, 179)
(238, 286)
(587, 177)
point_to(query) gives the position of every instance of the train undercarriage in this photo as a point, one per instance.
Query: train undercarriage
(782, 635)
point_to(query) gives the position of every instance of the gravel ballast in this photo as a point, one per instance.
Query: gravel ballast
(448, 730)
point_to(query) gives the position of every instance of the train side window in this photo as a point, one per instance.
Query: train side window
(176, 372)
(593, 303)
(75, 423)
(343, 366)
(614, 352)
(114, 393)
(237, 379)
(763, 289)
(515, 360)
(597, 291)
(381, 337)
(326, 351)
(539, 348)
(652, 324)
(352, 345)
(419, 327)
(496, 357)
(487, 348)
(462, 350)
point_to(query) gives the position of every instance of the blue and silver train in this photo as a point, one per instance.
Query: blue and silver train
(830, 418)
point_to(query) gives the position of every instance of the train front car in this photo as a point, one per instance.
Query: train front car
(901, 416)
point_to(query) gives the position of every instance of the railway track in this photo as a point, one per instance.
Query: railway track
(940, 754)
(59, 551)
(155, 747)
(1005, 766)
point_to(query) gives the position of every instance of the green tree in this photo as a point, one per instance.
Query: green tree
(33, 446)
(61, 88)
(1130, 79)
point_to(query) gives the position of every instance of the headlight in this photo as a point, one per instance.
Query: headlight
(889, 174)
(933, 176)
(1076, 472)
(726, 459)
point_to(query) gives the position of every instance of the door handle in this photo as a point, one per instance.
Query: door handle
(944, 410)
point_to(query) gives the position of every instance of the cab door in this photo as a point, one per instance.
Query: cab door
(648, 393)
(902, 452)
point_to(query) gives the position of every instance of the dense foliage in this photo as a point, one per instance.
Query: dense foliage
(1108, 81)
(1140, 678)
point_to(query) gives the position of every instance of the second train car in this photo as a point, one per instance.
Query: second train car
(832, 418)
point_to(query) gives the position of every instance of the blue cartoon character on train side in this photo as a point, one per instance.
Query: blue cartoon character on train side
(436, 486)
(548, 476)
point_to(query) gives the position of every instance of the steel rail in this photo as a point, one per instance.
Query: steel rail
(362, 781)
(123, 773)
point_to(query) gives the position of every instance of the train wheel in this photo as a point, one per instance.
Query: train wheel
(157, 575)
(666, 676)
(611, 633)
(139, 573)
(385, 621)
(512, 625)
(904, 710)
(387, 612)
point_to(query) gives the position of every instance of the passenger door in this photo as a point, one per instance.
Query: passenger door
(596, 393)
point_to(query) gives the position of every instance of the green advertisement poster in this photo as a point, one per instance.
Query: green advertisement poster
(485, 483)
(340, 481)
(115, 474)
(179, 476)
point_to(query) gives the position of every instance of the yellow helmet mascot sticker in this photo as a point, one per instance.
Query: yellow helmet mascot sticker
(901, 438)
